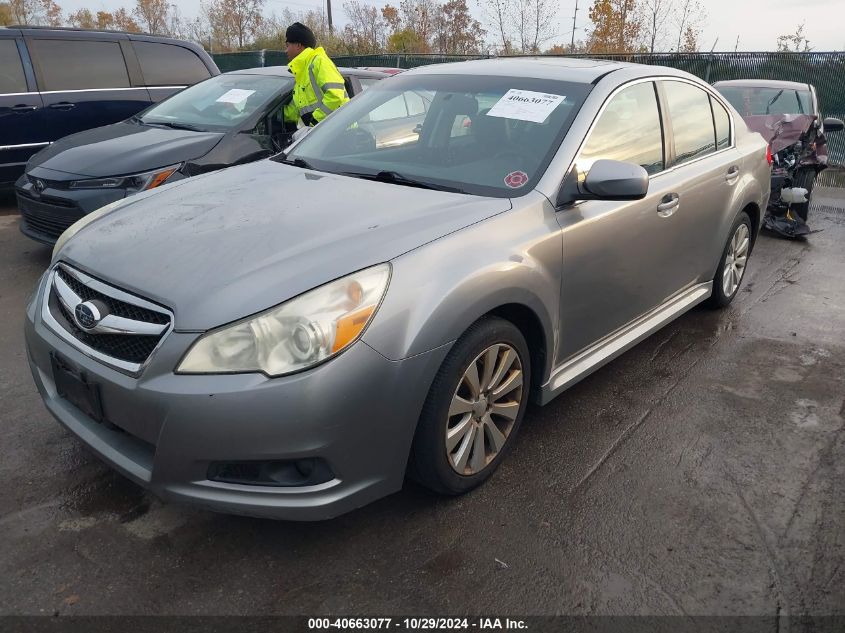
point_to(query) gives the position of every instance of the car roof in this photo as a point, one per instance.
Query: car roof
(579, 70)
(283, 71)
(762, 83)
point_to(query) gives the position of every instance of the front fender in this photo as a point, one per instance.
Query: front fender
(438, 290)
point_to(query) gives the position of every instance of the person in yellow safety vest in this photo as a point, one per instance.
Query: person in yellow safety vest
(319, 88)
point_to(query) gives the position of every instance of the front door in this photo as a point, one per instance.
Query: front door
(616, 255)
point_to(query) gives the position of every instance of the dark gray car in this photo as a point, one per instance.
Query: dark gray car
(289, 338)
(230, 119)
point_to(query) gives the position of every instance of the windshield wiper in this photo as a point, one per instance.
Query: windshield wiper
(396, 178)
(775, 98)
(174, 125)
(296, 162)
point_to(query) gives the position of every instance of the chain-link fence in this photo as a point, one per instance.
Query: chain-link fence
(824, 70)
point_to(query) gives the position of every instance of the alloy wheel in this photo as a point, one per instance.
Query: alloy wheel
(484, 409)
(735, 260)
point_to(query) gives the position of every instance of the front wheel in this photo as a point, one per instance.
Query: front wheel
(474, 408)
(732, 265)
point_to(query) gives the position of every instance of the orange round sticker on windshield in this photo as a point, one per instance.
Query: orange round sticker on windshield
(516, 179)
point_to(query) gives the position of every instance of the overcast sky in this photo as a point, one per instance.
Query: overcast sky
(757, 23)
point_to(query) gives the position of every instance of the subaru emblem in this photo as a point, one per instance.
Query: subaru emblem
(88, 315)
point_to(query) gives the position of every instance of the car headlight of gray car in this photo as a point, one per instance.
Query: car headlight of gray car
(134, 182)
(295, 335)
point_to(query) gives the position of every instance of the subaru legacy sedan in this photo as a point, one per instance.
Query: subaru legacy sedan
(227, 120)
(292, 337)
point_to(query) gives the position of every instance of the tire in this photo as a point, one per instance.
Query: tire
(724, 292)
(440, 469)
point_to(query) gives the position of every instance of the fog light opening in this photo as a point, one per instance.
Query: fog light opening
(309, 471)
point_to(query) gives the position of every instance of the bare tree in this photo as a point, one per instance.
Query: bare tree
(655, 16)
(689, 15)
(498, 13)
(366, 31)
(795, 42)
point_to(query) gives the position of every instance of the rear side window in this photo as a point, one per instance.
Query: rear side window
(628, 130)
(78, 64)
(723, 125)
(11, 70)
(169, 65)
(692, 121)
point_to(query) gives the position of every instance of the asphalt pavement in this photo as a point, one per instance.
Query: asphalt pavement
(700, 473)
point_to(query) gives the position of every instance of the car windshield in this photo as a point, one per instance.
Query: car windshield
(485, 135)
(755, 100)
(218, 104)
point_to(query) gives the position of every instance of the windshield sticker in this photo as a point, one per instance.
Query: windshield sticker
(516, 179)
(525, 105)
(235, 95)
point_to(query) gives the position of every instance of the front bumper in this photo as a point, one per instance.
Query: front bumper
(358, 412)
(47, 213)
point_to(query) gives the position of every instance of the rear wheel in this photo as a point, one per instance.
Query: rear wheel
(732, 265)
(474, 408)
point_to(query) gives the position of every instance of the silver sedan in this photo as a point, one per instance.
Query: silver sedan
(291, 338)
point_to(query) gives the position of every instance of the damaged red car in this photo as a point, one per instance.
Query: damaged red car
(787, 115)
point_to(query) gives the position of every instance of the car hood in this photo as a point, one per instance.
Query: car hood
(221, 246)
(123, 148)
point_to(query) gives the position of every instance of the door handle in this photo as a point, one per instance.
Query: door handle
(668, 205)
(63, 105)
(733, 174)
(23, 108)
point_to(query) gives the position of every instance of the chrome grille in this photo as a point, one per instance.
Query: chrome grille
(126, 330)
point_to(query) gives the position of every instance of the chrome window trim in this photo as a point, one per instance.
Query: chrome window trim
(22, 145)
(53, 325)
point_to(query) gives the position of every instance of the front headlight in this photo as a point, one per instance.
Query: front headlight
(82, 222)
(136, 182)
(296, 335)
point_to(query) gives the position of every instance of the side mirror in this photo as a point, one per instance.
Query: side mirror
(606, 180)
(832, 124)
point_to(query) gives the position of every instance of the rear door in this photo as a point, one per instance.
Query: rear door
(168, 68)
(21, 122)
(704, 169)
(85, 83)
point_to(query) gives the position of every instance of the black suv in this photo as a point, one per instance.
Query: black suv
(54, 82)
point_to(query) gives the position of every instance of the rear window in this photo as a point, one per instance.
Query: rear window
(692, 121)
(11, 70)
(756, 100)
(169, 65)
(78, 64)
